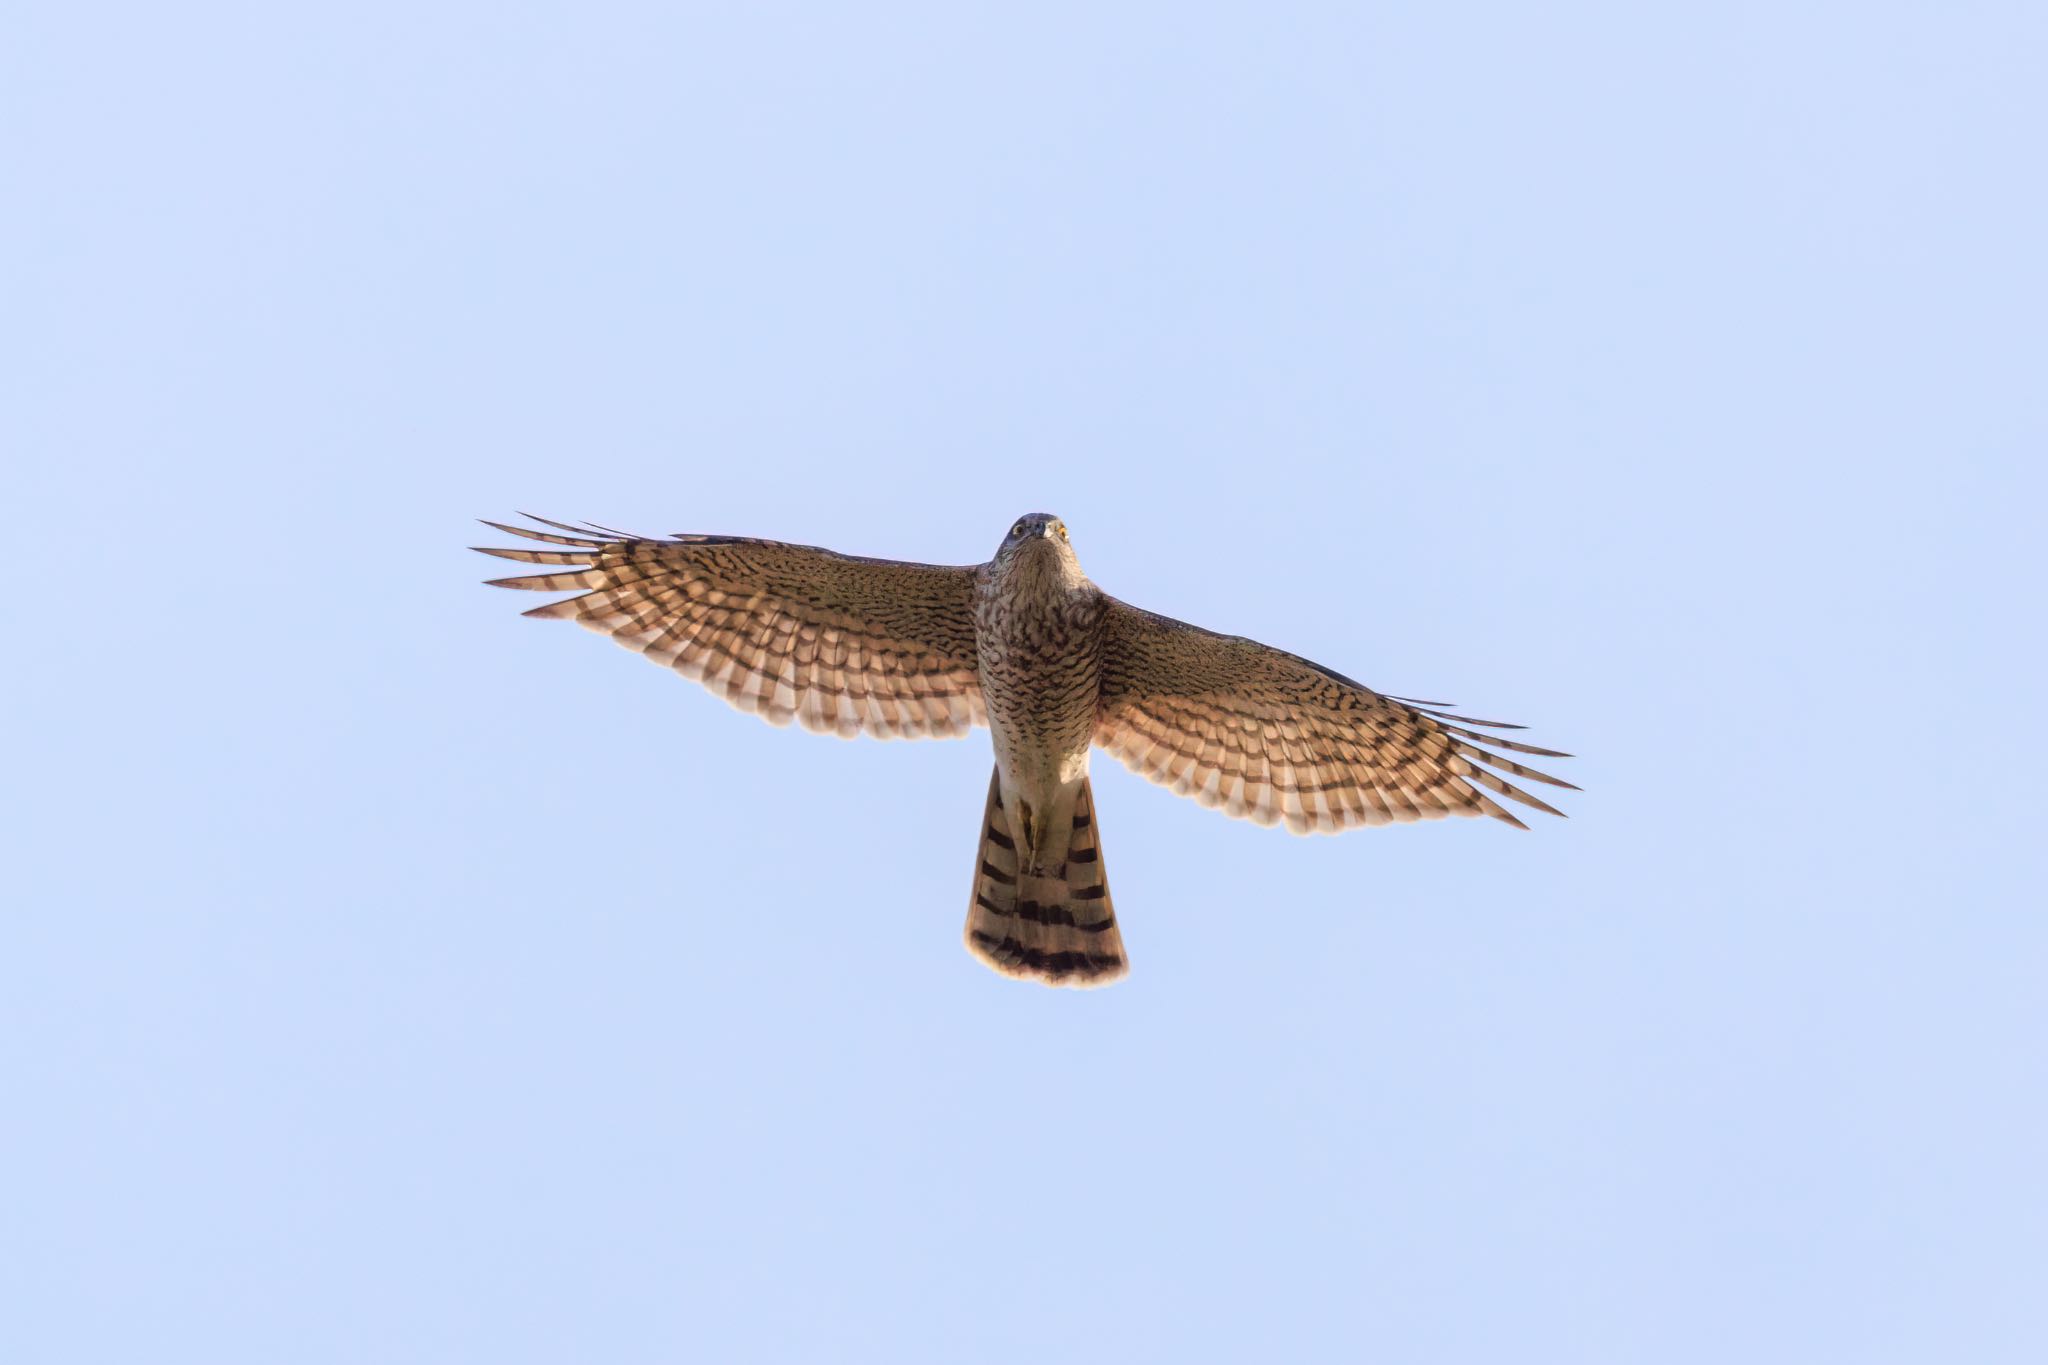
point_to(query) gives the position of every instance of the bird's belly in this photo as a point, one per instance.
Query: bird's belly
(1042, 760)
(1042, 722)
(1040, 757)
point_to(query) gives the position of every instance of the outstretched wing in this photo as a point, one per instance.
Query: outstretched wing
(1270, 737)
(839, 643)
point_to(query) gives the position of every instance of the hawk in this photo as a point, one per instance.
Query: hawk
(1051, 664)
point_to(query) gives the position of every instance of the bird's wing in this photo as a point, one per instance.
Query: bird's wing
(1269, 736)
(790, 632)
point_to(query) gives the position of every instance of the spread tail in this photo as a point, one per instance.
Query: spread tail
(1053, 926)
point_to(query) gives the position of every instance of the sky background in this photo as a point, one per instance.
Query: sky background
(388, 978)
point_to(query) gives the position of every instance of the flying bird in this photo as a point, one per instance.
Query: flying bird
(1051, 664)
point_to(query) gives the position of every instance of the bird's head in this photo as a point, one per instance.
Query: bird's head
(1035, 533)
(1039, 539)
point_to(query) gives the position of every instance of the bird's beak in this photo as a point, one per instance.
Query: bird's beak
(1045, 532)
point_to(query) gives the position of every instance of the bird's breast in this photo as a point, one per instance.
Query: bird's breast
(1040, 654)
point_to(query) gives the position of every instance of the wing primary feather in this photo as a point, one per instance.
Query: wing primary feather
(1497, 742)
(1498, 811)
(584, 558)
(1472, 720)
(1506, 788)
(1508, 766)
(558, 525)
(551, 582)
(531, 534)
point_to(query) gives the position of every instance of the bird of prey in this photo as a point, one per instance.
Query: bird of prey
(1051, 664)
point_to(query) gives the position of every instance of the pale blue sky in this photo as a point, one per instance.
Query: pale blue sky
(387, 978)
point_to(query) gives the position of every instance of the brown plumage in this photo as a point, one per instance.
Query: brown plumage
(1026, 645)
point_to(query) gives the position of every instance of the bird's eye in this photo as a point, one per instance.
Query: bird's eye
(1018, 529)
(1062, 528)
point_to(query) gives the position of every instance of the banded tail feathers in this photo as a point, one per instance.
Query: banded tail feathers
(1057, 926)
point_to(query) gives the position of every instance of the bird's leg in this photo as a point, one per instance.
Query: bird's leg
(1032, 829)
(1042, 835)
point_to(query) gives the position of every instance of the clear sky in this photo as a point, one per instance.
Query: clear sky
(388, 978)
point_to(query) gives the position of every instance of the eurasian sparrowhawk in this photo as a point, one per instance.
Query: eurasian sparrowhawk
(1027, 646)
